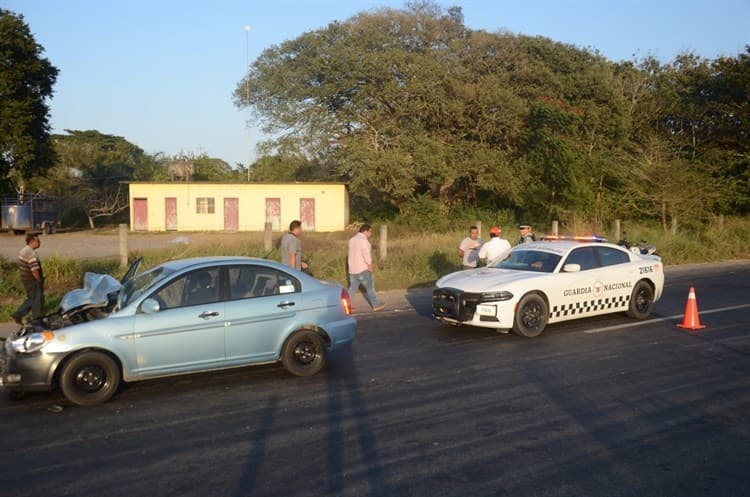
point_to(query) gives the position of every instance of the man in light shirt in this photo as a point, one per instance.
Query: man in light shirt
(360, 266)
(291, 247)
(496, 248)
(468, 250)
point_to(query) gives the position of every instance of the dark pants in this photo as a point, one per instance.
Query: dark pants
(34, 302)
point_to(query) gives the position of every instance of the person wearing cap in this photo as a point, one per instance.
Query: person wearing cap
(526, 235)
(496, 248)
(468, 250)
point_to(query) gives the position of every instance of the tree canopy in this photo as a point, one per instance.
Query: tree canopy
(411, 104)
(89, 172)
(26, 81)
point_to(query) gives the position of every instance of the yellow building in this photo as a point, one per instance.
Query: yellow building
(204, 206)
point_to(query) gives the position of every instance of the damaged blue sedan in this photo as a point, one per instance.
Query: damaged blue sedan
(183, 316)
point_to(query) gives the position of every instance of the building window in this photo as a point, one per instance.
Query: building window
(204, 205)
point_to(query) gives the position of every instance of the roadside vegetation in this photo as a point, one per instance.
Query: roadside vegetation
(415, 258)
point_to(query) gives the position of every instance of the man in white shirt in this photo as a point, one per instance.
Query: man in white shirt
(468, 250)
(496, 248)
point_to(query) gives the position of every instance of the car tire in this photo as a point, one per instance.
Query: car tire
(90, 378)
(531, 316)
(304, 353)
(641, 301)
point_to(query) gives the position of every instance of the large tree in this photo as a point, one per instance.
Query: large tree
(26, 81)
(90, 174)
(411, 104)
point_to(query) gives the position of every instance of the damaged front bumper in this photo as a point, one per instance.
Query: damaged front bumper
(26, 372)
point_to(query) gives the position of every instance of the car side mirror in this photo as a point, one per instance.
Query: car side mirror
(571, 268)
(150, 306)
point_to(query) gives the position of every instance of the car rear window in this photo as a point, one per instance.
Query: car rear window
(610, 256)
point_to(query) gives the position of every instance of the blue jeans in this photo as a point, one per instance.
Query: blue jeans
(363, 278)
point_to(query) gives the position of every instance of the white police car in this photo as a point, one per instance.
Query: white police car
(550, 281)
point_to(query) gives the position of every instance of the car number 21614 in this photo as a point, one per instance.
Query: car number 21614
(647, 269)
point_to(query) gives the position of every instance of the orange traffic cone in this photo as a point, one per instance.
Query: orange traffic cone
(691, 321)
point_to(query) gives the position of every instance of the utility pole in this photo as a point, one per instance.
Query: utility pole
(247, 97)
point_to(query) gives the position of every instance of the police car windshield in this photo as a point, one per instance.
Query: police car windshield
(529, 260)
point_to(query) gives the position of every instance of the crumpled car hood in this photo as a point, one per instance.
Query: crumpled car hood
(96, 288)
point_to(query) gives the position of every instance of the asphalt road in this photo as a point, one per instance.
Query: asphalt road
(599, 407)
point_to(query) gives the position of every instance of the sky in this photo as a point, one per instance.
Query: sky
(161, 73)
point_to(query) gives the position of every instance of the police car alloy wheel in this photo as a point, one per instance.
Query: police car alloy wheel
(531, 316)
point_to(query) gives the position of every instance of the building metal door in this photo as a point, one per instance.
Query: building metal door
(170, 214)
(307, 213)
(273, 213)
(231, 214)
(140, 214)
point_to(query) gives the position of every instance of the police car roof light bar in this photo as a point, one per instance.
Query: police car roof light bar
(591, 238)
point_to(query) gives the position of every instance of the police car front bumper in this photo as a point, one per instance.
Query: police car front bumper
(454, 306)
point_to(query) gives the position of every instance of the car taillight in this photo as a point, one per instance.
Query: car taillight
(346, 302)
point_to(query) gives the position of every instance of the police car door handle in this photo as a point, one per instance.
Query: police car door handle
(208, 314)
(286, 303)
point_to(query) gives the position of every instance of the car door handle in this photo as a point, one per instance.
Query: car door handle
(286, 303)
(208, 314)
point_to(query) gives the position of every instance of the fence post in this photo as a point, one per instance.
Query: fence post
(721, 221)
(478, 224)
(383, 254)
(123, 235)
(673, 228)
(617, 230)
(554, 228)
(267, 237)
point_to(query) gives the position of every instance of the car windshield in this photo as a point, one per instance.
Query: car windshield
(134, 287)
(529, 260)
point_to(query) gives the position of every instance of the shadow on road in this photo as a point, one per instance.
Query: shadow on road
(345, 398)
(254, 461)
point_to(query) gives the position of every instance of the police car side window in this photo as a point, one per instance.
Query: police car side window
(611, 256)
(583, 256)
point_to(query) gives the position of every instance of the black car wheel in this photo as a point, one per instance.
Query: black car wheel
(90, 378)
(304, 353)
(641, 300)
(531, 316)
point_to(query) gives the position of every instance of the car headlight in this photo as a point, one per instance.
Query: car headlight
(496, 296)
(26, 344)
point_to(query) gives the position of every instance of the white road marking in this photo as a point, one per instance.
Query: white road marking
(667, 318)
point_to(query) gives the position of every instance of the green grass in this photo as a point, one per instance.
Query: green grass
(414, 258)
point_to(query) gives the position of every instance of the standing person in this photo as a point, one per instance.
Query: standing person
(32, 279)
(291, 247)
(526, 235)
(496, 248)
(360, 266)
(468, 250)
